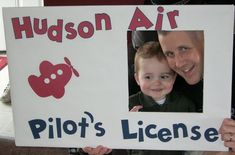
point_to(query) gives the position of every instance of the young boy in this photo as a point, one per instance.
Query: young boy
(156, 81)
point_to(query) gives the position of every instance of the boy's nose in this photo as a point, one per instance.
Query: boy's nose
(157, 82)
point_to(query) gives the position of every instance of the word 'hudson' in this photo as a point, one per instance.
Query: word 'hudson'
(84, 29)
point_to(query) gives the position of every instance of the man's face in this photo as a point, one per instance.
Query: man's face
(184, 55)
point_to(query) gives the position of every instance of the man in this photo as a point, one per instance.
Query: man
(184, 52)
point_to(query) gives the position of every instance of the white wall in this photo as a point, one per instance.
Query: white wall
(13, 3)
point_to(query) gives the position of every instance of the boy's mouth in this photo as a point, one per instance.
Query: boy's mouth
(157, 89)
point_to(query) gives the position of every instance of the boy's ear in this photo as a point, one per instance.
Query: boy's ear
(136, 78)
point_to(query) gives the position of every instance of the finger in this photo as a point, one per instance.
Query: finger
(133, 109)
(232, 149)
(228, 126)
(101, 150)
(87, 150)
(227, 130)
(230, 145)
(228, 122)
(136, 108)
(104, 150)
(109, 151)
(229, 137)
(93, 151)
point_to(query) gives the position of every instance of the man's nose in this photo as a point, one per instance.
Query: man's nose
(179, 60)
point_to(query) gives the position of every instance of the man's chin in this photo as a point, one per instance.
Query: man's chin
(192, 81)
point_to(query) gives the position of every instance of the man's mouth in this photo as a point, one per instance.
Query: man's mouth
(187, 71)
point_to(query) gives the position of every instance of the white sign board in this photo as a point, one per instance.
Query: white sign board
(69, 77)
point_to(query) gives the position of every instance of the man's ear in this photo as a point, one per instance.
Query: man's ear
(137, 78)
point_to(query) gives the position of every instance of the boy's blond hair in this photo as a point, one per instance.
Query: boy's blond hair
(148, 50)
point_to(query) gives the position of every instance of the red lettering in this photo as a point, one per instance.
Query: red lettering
(55, 31)
(98, 20)
(159, 18)
(26, 26)
(72, 32)
(43, 28)
(171, 17)
(139, 20)
(84, 29)
(88, 26)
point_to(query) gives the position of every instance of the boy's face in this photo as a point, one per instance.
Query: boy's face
(184, 55)
(155, 78)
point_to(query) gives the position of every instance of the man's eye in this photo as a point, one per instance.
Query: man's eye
(183, 49)
(169, 54)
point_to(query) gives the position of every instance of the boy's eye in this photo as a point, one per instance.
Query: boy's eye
(165, 77)
(147, 77)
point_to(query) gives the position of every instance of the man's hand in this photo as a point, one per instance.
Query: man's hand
(227, 131)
